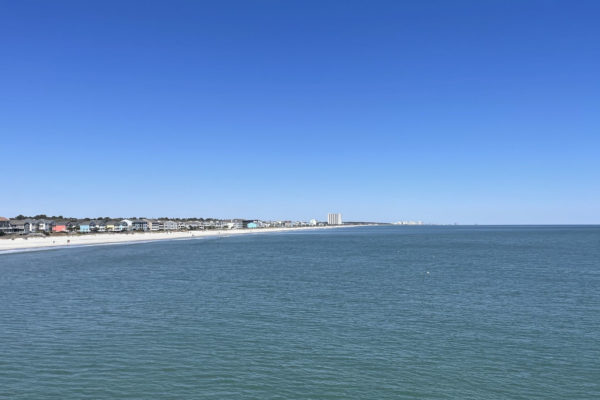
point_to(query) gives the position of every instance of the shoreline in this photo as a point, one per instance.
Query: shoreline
(22, 244)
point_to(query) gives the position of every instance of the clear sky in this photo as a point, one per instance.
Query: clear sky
(441, 111)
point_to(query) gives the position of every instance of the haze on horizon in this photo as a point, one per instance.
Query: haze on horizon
(467, 112)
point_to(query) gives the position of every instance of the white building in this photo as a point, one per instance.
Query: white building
(126, 225)
(334, 219)
(169, 225)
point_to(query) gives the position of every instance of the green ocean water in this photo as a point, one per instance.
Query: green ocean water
(358, 313)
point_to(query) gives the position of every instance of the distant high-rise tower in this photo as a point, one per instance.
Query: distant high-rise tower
(334, 219)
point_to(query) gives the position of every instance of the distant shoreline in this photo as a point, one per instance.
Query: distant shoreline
(38, 243)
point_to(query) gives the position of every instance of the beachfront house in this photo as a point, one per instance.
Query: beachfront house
(229, 225)
(251, 223)
(140, 225)
(17, 226)
(45, 225)
(59, 227)
(169, 225)
(73, 226)
(195, 225)
(234, 224)
(101, 226)
(154, 225)
(29, 226)
(220, 224)
(5, 225)
(84, 227)
(126, 225)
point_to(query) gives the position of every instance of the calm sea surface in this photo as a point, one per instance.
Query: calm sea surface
(369, 313)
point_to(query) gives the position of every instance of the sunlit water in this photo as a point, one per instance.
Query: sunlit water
(370, 313)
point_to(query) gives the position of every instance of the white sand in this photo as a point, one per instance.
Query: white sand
(67, 240)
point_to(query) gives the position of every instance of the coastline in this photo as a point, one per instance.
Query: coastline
(19, 244)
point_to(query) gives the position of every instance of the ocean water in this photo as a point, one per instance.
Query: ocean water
(358, 313)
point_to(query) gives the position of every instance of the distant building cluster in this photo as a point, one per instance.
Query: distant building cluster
(58, 225)
(409, 223)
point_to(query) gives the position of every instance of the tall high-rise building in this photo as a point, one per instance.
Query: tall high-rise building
(334, 219)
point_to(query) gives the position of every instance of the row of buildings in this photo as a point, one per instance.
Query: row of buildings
(409, 223)
(29, 226)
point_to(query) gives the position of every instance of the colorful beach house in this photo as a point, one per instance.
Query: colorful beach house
(59, 228)
(84, 227)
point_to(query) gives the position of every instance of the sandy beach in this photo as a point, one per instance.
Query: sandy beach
(68, 240)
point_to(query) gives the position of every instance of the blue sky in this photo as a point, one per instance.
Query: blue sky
(463, 111)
